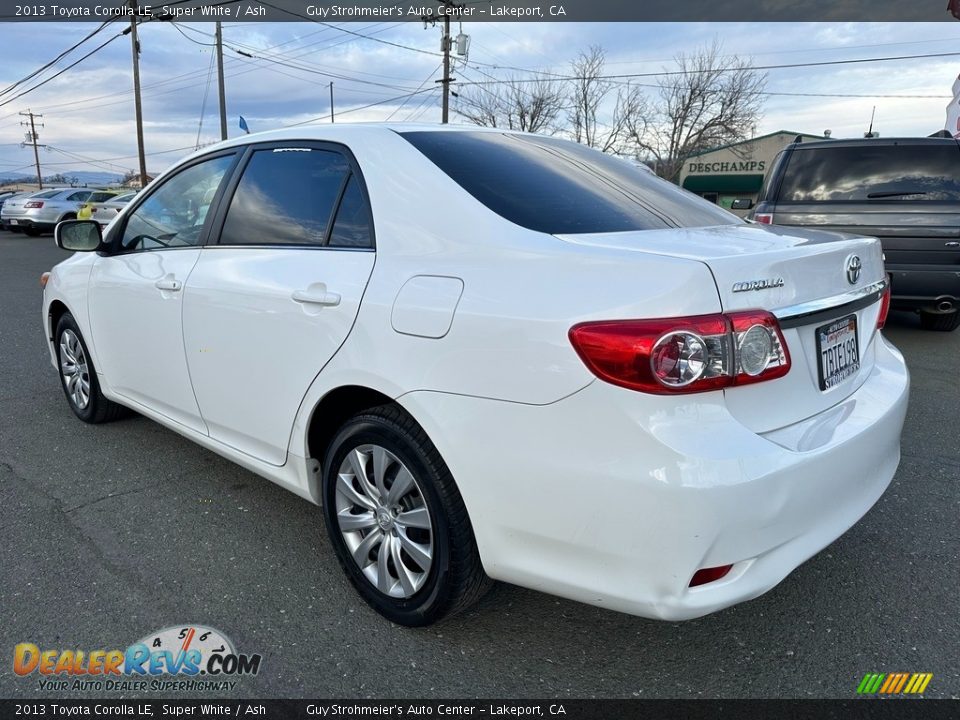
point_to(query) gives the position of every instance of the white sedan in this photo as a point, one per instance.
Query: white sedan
(495, 356)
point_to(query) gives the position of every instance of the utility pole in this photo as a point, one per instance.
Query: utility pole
(136, 91)
(446, 43)
(33, 141)
(223, 91)
(331, 101)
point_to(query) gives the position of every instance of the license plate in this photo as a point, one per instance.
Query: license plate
(838, 351)
(14, 222)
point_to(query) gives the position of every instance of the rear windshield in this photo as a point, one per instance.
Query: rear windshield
(881, 172)
(561, 187)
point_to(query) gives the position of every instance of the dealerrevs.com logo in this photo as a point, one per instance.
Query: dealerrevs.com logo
(190, 657)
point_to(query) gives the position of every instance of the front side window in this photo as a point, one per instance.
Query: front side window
(286, 196)
(174, 214)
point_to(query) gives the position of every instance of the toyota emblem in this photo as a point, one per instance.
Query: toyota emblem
(854, 266)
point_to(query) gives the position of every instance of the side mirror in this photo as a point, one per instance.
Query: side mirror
(78, 235)
(741, 204)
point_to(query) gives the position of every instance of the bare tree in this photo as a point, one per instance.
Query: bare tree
(531, 105)
(591, 93)
(713, 100)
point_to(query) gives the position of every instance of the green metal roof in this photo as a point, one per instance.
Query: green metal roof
(723, 183)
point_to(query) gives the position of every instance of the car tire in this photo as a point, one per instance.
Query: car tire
(943, 322)
(406, 499)
(78, 378)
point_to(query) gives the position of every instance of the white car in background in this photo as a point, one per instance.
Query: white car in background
(492, 355)
(105, 212)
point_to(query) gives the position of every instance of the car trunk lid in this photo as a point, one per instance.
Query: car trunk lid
(800, 276)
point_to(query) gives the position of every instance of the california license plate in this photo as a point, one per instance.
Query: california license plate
(838, 351)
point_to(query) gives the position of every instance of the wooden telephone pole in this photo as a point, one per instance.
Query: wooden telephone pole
(135, 44)
(33, 141)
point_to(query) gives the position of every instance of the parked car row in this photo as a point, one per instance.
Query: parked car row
(40, 211)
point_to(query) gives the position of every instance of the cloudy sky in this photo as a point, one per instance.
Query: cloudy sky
(88, 110)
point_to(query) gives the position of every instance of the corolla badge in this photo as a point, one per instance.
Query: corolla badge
(854, 266)
(765, 284)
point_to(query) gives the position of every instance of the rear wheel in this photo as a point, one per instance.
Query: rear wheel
(79, 378)
(944, 322)
(397, 522)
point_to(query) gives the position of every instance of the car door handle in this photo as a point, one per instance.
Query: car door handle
(952, 243)
(168, 283)
(316, 297)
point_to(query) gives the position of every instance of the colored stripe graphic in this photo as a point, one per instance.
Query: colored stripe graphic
(894, 683)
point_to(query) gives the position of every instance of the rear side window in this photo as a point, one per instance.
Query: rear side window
(100, 197)
(879, 172)
(79, 196)
(352, 226)
(286, 196)
(561, 187)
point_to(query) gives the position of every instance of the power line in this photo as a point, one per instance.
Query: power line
(351, 32)
(672, 73)
(54, 61)
(426, 80)
(357, 109)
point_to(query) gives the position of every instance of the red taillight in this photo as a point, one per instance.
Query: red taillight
(684, 355)
(764, 218)
(884, 307)
(33, 204)
(709, 575)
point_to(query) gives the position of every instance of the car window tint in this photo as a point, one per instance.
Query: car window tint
(100, 196)
(880, 172)
(557, 186)
(46, 194)
(78, 196)
(352, 226)
(285, 196)
(174, 214)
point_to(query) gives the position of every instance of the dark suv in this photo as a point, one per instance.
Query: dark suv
(904, 191)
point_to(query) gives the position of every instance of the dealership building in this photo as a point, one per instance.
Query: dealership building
(735, 171)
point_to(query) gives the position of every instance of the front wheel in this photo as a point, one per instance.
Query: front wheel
(397, 521)
(944, 322)
(78, 376)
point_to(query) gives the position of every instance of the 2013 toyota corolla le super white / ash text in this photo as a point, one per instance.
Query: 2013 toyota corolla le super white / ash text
(491, 355)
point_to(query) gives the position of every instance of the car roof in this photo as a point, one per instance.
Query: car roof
(874, 142)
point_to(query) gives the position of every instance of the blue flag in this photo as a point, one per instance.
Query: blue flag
(243, 125)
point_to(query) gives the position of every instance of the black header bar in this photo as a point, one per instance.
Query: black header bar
(483, 10)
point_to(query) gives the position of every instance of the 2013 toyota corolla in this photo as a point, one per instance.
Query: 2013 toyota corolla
(491, 355)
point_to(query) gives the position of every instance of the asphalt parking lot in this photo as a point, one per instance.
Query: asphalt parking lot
(110, 532)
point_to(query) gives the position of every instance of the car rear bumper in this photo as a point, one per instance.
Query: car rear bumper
(924, 287)
(617, 498)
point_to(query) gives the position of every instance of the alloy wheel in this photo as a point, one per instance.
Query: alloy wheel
(74, 369)
(384, 520)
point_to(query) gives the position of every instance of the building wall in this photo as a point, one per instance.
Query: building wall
(735, 171)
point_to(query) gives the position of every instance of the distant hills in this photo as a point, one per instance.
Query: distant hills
(75, 177)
